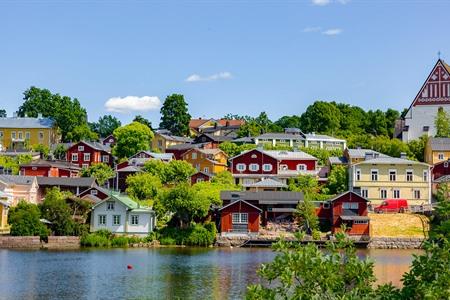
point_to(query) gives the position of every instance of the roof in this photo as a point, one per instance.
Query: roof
(391, 160)
(444, 178)
(185, 146)
(204, 173)
(335, 160)
(196, 123)
(281, 136)
(16, 122)
(268, 183)
(313, 136)
(246, 139)
(125, 200)
(345, 193)
(216, 138)
(289, 154)
(439, 144)
(263, 197)
(355, 218)
(67, 181)
(361, 153)
(17, 179)
(240, 200)
(175, 138)
(4, 203)
(62, 164)
(129, 169)
(226, 122)
(95, 145)
(18, 152)
(156, 155)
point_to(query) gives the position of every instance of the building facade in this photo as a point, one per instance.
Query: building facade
(84, 154)
(437, 150)
(50, 169)
(209, 161)
(162, 141)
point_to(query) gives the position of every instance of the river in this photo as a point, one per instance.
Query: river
(161, 273)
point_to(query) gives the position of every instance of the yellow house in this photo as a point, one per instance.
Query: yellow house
(4, 207)
(161, 141)
(19, 133)
(210, 161)
(437, 150)
(20, 188)
(383, 178)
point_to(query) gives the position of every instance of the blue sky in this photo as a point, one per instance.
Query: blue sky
(239, 57)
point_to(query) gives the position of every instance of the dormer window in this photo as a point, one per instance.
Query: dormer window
(80, 148)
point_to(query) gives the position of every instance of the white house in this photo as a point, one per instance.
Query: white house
(121, 215)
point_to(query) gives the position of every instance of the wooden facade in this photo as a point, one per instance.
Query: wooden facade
(50, 169)
(240, 216)
(84, 154)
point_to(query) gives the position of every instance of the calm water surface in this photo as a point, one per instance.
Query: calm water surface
(165, 273)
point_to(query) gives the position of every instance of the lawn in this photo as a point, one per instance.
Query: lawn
(398, 225)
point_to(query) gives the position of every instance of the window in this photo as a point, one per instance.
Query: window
(425, 175)
(85, 166)
(134, 219)
(93, 192)
(20, 135)
(199, 180)
(74, 156)
(446, 164)
(326, 205)
(101, 219)
(239, 218)
(41, 135)
(360, 222)
(254, 156)
(106, 158)
(396, 194)
(194, 155)
(240, 167)
(80, 148)
(206, 169)
(110, 205)
(409, 175)
(1, 134)
(392, 175)
(283, 167)
(383, 193)
(159, 143)
(416, 194)
(358, 174)
(116, 220)
(350, 205)
(86, 156)
(301, 167)
(267, 167)
(364, 193)
(254, 167)
(374, 175)
(13, 135)
(441, 156)
(27, 135)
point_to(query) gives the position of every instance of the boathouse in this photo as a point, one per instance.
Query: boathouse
(239, 217)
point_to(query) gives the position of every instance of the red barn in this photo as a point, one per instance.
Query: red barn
(48, 168)
(350, 209)
(84, 154)
(240, 216)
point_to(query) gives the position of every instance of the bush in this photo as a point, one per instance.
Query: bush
(24, 221)
(119, 241)
(194, 235)
(95, 240)
(104, 238)
(316, 235)
(167, 241)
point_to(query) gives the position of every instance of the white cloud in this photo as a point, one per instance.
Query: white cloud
(332, 31)
(321, 2)
(221, 75)
(132, 103)
(311, 29)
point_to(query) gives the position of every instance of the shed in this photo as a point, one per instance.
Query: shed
(240, 216)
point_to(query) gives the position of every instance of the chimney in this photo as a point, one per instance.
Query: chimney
(403, 155)
(368, 155)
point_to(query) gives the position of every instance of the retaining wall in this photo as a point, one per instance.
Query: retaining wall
(395, 243)
(34, 242)
(62, 242)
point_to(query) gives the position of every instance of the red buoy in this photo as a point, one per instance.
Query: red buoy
(129, 267)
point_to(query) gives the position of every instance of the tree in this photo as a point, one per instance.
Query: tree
(304, 183)
(57, 211)
(223, 178)
(3, 113)
(80, 133)
(289, 122)
(42, 149)
(441, 218)
(131, 139)
(442, 123)
(157, 168)
(179, 171)
(417, 147)
(66, 112)
(60, 152)
(306, 214)
(11, 164)
(25, 220)
(337, 180)
(186, 204)
(376, 123)
(100, 171)
(321, 117)
(175, 116)
(250, 128)
(143, 120)
(105, 125)
(143, 186)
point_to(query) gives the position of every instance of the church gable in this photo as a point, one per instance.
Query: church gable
(436, 89)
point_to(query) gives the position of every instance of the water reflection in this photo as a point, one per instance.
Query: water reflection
(166, 273)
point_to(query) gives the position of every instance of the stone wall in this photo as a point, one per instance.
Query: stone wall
(395, 243)
(62, 242)
(20, 242)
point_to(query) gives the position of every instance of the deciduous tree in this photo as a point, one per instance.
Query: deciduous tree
(143, 186)
(442, 123)
(131, 139)
(105, 125)
(100, 171)
(25, 220)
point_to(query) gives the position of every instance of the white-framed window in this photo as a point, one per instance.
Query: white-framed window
(101, 220)
(396, 194)
(425, 175)
(86, 156)
(358, 174)
(41, 135)
(248, 181)
(374, 174)
(74, 156)
(199, 180)
(254, 167)
(254, 156)
(105, 158)
(360, 222)
(446, 164)
(267, 167)
(365, 193)
(20, 135)
(194, 155)
(241, 167)
(416, 194)
(301, 167)
(27, 135)
(392, 175)
(13, 135)
(239, 218)
(110, 205)
(441, 156)
(80, 148)
(85, 166)
(94, 192)
(409, 175)
(383, 193)
(206, 170)
(350, 205)
(134, 219)
(116, 220)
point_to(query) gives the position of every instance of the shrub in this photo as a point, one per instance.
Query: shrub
(167, 241)
(95, 240)
(24, 221)
(316, 234)
(119, 241)
(194, 235)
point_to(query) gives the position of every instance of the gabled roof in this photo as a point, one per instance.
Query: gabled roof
(155, 155)
(215, 138)
(281, 136)
(213, 151)
(335, 160)
(126, 201)
(237, 201)
(175, 138)
(94, 145)
(204, 173)
(361, 153)
(263, 197)
(67, 181)
(345, 193)
(17, 179)
(185, 146)
(26, 123)
(439, 144)
(129, 169)
(61, 164)
(196, 123)
(267, 183)
(280, 154)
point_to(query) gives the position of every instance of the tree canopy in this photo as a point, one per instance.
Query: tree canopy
(105, 125)
(143, 120)
(175, 116)
(131, 139)
(100, 171)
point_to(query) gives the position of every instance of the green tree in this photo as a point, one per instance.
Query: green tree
(11, 164)
(131, 139)
(143, 120)
(304, 183)
(323, 117)
(179, 171)
(337, 180)
(25, 220)
(306, 214)
(82, 132)
(105, 125)
(392, 115)
(417, 147)
(157, 168)
(100, 171)
(60, 152)
(175, 116)
(224, 178)
(143, 186)
(57, 211)
(289, 122)
(353, 118)
(442, 123)
(42, 149)
(441, 218)
(376, 123)
(3, 113)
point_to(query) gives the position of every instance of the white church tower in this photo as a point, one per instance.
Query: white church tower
(435, 93)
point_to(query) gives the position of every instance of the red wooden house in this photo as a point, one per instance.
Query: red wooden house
(240, 216)
(180, 149)
(215, 140)
(200, 176)
(84, 154)
(253, 165)
(440, 174)
(95, 194)
(48, 168)
(109, 141)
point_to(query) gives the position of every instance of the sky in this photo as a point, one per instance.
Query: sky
(242, 57)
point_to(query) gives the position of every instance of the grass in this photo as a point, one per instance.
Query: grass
(398, 225)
